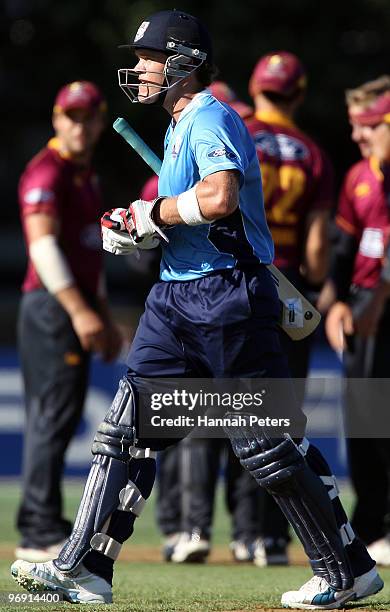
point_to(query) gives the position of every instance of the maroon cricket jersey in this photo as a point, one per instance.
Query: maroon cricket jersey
(54, 185)
(363, 211)
(297, 180)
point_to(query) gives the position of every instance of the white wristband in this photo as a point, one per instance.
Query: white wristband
(188, 208)
(50, 263)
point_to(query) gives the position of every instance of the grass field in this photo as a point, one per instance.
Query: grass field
(144, 584)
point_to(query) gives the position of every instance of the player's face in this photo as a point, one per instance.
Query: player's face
(361, 134)
(78, 130)
(151, 74)
(380, 142)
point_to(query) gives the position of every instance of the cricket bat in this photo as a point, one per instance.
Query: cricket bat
(299, 318)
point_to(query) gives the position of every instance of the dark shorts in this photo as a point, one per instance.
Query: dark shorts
(223, 326)
(220, 326)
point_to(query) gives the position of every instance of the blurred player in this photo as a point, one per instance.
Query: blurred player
(298, 195)
(63, 314)
(297, 181)
(213, 314)
(361, 310)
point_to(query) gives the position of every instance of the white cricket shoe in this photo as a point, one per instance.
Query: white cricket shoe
(191, 548)
(262, 551)
(316, 594)
(39, 555)
(270, 551)
(169, 544)
(241, 551)
(77, 586)
(380, 551)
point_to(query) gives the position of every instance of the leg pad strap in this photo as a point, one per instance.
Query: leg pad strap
(131, 499)
(107, 546)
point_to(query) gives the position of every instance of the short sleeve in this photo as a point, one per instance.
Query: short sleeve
(217, 143)
(40, 190)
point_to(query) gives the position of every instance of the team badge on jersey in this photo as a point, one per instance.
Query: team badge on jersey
(267, 143)
(222, 152)
(38, 196)
(282, 146)
(291, 148)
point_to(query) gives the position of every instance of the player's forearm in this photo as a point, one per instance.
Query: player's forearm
(316, 264)
(317, 248)
(72, 300)
(216, 197)
(166, 213)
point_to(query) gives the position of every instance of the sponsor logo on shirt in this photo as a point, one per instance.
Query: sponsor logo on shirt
(362, 189)
(38, 196)
(222, 152)
(176, 146)
(282, 146)
(371, 243)
(267, 143)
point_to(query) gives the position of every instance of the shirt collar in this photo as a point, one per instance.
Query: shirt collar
(54, 144)
(376, 168)
(195, 103)
(274, 117)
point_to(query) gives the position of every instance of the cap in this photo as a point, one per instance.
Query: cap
(280, 72)
(165, 27)
(377, 112)
(224, 93)
(79, 94)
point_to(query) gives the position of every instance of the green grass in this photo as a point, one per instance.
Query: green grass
(159, 587)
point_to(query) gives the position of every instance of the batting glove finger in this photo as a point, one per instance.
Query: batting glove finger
(117, 242)
(113, 219)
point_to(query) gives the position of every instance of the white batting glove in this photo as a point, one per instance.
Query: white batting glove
(117, 235)
(117, 242)
(141, 215)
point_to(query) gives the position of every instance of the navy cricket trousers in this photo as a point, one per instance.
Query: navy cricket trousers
(223, 325)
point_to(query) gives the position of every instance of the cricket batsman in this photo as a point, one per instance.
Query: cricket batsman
(213, 314)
